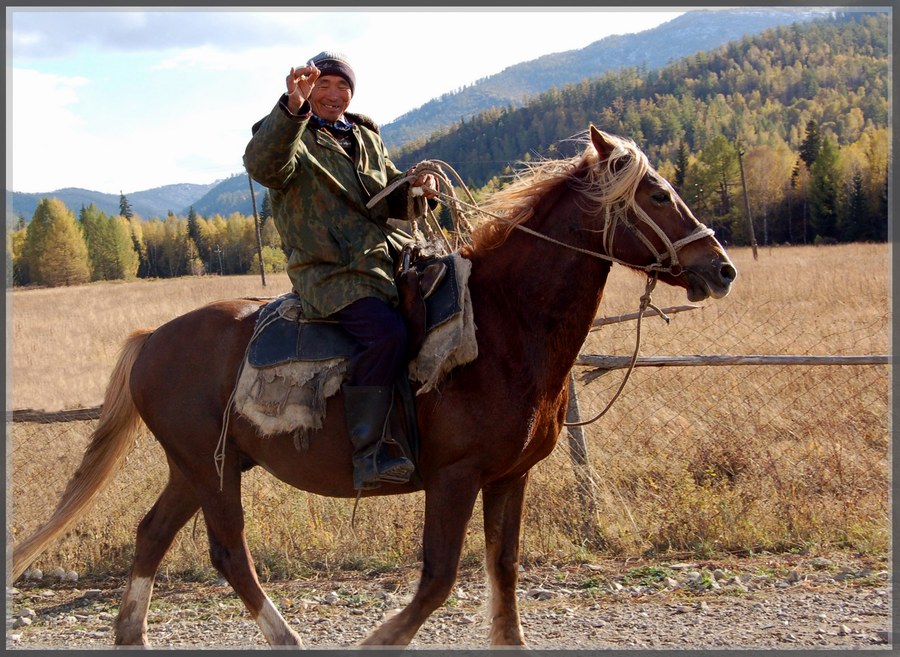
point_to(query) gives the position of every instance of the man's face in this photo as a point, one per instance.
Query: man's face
(330, 97)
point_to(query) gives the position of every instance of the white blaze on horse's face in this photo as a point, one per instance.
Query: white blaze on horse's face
(660, 230)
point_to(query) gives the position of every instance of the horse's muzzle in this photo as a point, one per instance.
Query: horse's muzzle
(713, 281)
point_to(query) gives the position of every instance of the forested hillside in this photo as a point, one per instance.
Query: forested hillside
(807, 104)
(693, 31)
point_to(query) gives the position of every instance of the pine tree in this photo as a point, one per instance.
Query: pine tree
(193, 228)
(125, 207)
(857, 221)
(720, 157)
(812, 144)
(265, 210)
(127, 259)
(883, 205)
(823, 193)
(54, 246)
(196, 236)
(174, 251)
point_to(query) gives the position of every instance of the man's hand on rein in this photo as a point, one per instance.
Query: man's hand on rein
(427, 183)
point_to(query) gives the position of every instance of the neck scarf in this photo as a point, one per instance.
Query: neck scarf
(339, 126)
(341, 130)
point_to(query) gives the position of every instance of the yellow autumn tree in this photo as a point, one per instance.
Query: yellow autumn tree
(54, 246)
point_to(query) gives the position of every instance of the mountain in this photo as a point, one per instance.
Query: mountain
(150, 203)
(692, 32)
(230, 196)
(766, 89)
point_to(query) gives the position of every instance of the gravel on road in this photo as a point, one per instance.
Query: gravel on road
(768, 602)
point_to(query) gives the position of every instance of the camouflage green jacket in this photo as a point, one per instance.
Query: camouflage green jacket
(339, 248)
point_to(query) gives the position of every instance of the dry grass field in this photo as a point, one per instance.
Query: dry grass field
(690, 461)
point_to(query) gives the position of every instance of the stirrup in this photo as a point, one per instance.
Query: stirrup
(399, 473)
(399, 470)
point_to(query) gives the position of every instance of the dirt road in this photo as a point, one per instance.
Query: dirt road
(763, 603)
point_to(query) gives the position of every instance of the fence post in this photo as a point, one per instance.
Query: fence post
(262, 265)
(581, 466)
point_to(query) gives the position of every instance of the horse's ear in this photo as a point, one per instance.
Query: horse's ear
(601, 143)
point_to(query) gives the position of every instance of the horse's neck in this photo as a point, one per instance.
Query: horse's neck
(538, 297)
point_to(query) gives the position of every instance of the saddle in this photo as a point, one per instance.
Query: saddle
(429, 297)
(294, 364)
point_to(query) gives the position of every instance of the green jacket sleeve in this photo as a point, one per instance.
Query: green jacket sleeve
(271, 155)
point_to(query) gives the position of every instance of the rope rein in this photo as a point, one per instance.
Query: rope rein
(462, 230)
(432, 228)
(645, 303)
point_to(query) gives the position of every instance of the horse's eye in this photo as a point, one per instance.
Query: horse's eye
(661, 197)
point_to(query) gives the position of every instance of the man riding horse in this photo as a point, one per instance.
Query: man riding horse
(322, 165)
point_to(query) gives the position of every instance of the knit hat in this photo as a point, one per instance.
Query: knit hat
(335, 63)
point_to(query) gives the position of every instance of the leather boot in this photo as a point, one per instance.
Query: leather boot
(366, 410)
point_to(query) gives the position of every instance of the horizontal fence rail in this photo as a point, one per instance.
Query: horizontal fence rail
(621, 362)
(598, 362)
(47, 417)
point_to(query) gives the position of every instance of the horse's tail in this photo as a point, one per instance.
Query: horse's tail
(110, 443)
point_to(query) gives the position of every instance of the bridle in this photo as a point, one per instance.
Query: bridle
(611, 220)
(659, 267)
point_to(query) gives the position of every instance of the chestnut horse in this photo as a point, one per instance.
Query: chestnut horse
(539, 266)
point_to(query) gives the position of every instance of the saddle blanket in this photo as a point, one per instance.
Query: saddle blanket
(293, 365)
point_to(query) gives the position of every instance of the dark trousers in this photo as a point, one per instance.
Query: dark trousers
(381, 333)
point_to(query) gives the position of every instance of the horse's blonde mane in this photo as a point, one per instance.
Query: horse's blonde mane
(608, 186)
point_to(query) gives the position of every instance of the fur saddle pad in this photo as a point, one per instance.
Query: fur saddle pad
(293, 364)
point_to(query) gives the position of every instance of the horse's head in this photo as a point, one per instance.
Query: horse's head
(646, 225)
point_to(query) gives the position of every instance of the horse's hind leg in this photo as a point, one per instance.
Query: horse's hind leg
(228, 552)
(502, 521)
(175, 506)
(448, 507)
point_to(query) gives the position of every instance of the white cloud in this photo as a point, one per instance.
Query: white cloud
(130, 100)
(61, 31)
(43, 119)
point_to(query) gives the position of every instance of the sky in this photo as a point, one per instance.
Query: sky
(124, 99)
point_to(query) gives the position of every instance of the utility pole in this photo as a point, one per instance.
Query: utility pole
(262, 265)
(740, 150)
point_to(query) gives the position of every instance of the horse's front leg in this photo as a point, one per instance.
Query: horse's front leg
(449, 501)
(502, 521)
